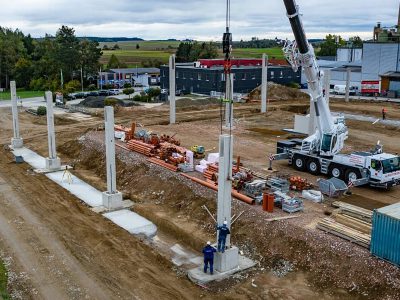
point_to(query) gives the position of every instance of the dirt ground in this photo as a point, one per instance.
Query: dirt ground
(56, 248)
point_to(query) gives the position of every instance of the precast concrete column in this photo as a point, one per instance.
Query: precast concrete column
(348, 75)
(52, 161)
(229, 102)
(327, 85)
(112, 199)
(224, 212)
(264, 83)
(16, 141)
(172, 89)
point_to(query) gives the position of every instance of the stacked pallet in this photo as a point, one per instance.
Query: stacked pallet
(163, 164)
(345, 232)
(354, 223)
(140, 147)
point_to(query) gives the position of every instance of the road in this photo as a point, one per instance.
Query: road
(27, 102)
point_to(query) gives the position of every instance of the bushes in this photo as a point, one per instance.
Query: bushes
(127, 85)
(92, 87)
(72, 86)
(141, 98)
(128, 91)
(108, 86)
(41, 111)
(110, 102)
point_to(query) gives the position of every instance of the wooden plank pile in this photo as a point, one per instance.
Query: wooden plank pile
(350, 222)
(140, 147)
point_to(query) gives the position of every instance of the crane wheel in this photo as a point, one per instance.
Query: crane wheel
(299, 162)
(313, 166)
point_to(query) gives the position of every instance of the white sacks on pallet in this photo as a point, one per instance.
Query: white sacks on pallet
(200, 168)
(213, 158)
(315, 196)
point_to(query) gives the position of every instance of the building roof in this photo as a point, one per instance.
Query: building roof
(344, 69)
(391, 74)
(241, 62)
(135, 70)
(391, 210)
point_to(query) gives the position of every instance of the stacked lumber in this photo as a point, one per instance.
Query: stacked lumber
(345, 232)
(354, 211)
(163, 164)
(353, 223)
(140, 147)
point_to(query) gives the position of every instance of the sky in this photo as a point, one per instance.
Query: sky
(195, 19)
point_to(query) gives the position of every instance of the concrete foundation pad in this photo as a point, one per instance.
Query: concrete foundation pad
(112, 201)
(45, 171)
(198, 276)
(101, 209)
(132, 222)
(226, 261)
(53, 163)
(17, 143)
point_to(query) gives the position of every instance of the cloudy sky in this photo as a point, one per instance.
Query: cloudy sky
(196, 19)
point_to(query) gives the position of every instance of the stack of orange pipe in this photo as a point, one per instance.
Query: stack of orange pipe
(163, 164)
(234, 193)
(141, 147)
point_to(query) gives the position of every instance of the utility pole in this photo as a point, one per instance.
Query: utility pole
(82, 78)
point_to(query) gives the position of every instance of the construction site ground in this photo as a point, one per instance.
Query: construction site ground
(56, 248)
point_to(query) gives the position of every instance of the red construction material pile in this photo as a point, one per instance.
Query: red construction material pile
(140, 147)
(298, 183)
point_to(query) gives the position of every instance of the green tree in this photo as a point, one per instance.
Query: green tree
(72, 86)
(192, 51)
(114, 63)
(23, 70)
(128, 92)
(137, 46)
(356, 42)
(330, 45)
(67, 51)
(153, 93)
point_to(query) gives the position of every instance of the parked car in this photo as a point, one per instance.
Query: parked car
(164, 91)
(138, 84)
(80, 95)
(114, 92)
(93, 94)
(181, 92)
(70, 96)
(104, 93)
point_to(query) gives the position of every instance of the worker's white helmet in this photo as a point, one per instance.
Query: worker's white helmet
(209, 243)
(225, 222)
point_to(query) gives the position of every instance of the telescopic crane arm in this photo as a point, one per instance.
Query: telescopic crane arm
(328, 140)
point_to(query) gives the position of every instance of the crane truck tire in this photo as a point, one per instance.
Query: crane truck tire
(336, 171)
(352, 175)
(299, 162)
(313, 166)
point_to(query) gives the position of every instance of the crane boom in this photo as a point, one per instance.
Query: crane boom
(328, 140)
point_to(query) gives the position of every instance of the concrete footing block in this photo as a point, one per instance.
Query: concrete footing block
(227, 260)
(112, 201)
(17, 143)
(53, 164)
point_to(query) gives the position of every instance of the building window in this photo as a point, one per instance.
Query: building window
(272, 74)
(198, 76)
(223, 77)
(184, 75)
(281, 74)
(177, 74)
(253, 76)
(207, 77)
(243, 76)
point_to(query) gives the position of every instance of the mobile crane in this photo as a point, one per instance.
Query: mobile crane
(319, 153)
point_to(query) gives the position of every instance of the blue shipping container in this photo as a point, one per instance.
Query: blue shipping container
(385, 237)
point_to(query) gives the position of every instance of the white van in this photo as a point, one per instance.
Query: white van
(341, 90)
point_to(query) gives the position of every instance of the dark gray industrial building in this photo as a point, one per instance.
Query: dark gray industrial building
(204, 77)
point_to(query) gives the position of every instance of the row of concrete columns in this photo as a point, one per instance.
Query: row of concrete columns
(112, 199)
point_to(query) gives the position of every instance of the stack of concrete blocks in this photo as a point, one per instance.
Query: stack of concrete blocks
(112, 199)
(53, 162)
(16, 142)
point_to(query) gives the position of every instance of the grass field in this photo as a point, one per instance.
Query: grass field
(22, 94)
(3, 282)
(161, 50)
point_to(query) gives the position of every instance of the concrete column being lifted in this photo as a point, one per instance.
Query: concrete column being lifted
(112, 199)
(264, 83)
(172, 89)
(229, 259)
(52, 161)
(229, 102)
(16, 141)
(348, 75)
(327, 84)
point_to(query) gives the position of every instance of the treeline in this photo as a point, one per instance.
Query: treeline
(257, 43)
(37, 64)
(192, 51)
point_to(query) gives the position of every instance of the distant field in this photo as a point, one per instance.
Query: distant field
(161, 50)
(22, 94)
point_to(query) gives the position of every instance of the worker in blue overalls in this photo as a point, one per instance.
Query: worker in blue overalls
(223, 232)
(208, 252)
